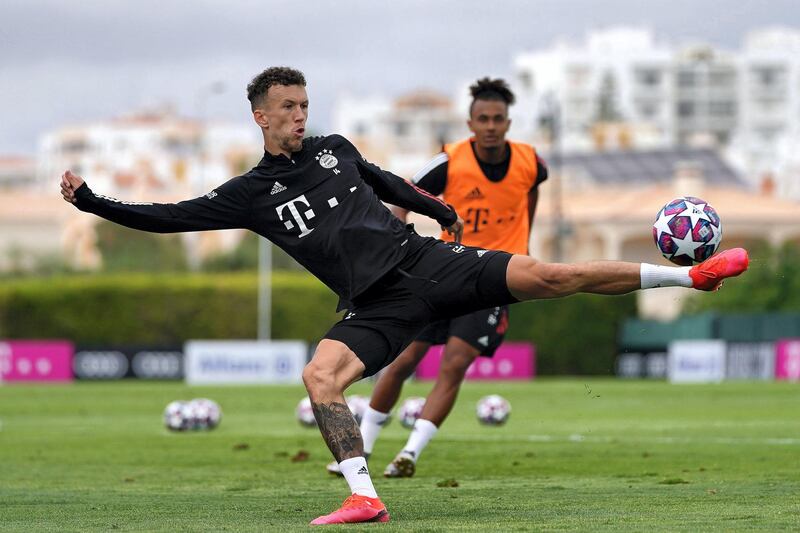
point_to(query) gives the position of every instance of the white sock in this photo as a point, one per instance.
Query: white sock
(663, 276)
(356, 473)
(423, 432)
(371, 424)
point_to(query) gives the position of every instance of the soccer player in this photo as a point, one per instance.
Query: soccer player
(494, 183)
(320, 201)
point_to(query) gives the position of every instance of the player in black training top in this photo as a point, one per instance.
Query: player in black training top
(321, 202)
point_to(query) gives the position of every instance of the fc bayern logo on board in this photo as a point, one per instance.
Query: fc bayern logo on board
(327, 159)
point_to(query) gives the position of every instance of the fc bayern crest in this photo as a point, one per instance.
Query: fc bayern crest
(327, 159)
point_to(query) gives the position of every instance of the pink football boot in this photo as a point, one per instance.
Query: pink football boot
(709, 275)
(356, 508)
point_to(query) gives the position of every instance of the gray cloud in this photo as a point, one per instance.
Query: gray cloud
(75, 61)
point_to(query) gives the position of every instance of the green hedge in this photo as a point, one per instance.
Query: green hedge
(576, 335)
(162, 308)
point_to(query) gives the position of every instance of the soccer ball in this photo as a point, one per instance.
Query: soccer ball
(206, 414)
(178, 416)
(305, 414)
(358, 405)
(410, 411)
(493, 410)
(687, 231)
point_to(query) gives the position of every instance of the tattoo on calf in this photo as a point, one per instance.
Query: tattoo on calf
(339, 429)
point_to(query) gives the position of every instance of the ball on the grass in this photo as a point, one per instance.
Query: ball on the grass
(206, 413)
(493, 410)
(178, 416)
(305, 414)
(410, 410)
(687, 231)
(358, 405)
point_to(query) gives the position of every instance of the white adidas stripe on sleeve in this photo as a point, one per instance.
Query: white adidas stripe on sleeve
(440, 159)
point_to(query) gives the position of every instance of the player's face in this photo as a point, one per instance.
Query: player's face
(283, 117)
(489, 122)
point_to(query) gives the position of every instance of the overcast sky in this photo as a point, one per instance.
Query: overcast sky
(76, 61)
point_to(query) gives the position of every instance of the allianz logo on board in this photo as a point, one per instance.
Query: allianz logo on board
(223, 364)
(697, 364)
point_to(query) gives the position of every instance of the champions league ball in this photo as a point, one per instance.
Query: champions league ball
(493, 410)
(305, 414)
(358, 405)
(687, 231)
(206, 414)
(410, 411)
(200, 413)
(178, 416)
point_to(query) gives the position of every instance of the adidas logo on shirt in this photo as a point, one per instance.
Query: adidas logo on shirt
(277, 188)
(475, 193)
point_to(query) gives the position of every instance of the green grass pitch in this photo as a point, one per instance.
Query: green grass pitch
(576, 454)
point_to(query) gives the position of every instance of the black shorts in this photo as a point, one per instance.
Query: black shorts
(484, 330)
(436, 281)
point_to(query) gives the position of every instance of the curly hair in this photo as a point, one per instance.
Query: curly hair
(489, 89)
(258, 87)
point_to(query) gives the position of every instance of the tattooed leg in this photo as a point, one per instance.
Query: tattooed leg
(332, 369)
(339, 429)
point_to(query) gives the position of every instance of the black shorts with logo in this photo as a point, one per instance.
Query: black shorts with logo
(436, 281)
(484, 330)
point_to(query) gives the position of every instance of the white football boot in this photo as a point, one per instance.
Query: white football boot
(404, 465)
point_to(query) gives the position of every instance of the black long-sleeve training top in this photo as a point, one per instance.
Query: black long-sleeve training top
(322, 206)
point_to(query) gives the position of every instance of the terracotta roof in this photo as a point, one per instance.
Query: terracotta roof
(643, 203)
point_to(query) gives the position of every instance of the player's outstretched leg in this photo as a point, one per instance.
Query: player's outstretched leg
(458, 355)
(530, 279)
(332, 369)
(384, 397)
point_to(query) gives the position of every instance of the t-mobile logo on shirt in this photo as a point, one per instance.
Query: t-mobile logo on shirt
(296, 215)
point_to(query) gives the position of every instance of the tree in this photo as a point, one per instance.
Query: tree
(126, 250)
(771, 284)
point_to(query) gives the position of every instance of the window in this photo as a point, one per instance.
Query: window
(686, 109)
(722, 108)
(647, 109)
(526, 80)
(401, 128)
(649, 77)
(722, 79)
(578, 75)
(767, 77)
(687, 78)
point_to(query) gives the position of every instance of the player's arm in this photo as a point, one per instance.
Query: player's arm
(431, 178)
(224, 208)
(533, 194)
(397, 191)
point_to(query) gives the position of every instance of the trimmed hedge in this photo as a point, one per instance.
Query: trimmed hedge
(162, 308)
(576, 335)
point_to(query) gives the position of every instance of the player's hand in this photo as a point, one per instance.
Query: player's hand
(456, 230)
(69, 183)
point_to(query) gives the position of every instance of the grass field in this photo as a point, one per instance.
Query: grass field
(577, 454)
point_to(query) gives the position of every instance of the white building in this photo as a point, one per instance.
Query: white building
(622, 88)
(17, 172)
(769, 134)
(400, 135)
(150, 153)
(615, 76)
(149, 156)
